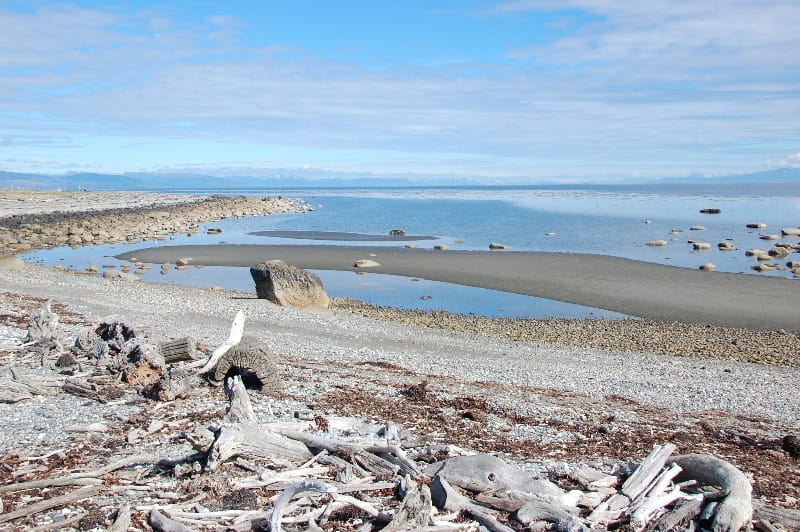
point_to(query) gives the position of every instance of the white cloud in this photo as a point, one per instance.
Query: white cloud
(790, 161)
(100, 73)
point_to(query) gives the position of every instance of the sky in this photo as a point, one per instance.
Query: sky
(540, 90)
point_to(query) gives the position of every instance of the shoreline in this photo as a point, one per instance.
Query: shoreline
(631, 335)
(663, 381)
(647, 290)
(33, 221)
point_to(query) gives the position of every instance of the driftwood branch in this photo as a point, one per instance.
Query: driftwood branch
(235, 336)
(735, 511)
(162, 523)
(539, 510)
(283, 501)
(123, 520)
(84, 478)
(241, 436)
(415, 510)
(55, 502)
(647, 471)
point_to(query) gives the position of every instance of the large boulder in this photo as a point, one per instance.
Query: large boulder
(288, 286)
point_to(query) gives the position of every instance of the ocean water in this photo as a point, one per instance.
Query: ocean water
(616, 221)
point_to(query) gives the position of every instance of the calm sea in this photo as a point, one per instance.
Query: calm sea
(609, 220)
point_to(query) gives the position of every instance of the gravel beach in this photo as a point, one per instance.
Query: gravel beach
(551, 399)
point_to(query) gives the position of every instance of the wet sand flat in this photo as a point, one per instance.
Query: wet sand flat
(631, 287)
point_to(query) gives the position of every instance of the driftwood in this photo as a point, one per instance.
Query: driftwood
(123, 520)
(592, 479)
(300, 487)
(81, 388)
(80, 478)
(445, 497)
(647, 471)
(178, 350)
(239, 435)
(538, 510)
(162, 523)
(783, 516)
(657, 497)
(484, 472)
(678, 517)
(234, 337)
(42, 326)
(54, 502)
(373, 463)
(252, 360)
(415, 510)
(736, 510)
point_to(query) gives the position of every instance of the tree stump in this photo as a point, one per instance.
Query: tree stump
(254, 362)
(178, 350)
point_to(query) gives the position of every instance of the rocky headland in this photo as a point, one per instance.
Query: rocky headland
(44, 220)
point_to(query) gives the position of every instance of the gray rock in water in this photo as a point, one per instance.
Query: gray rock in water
(288, 286)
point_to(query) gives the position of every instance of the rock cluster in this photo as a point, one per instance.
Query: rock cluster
(26, 232)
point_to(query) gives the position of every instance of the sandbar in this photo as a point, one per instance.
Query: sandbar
(340, 236)
(642, 289)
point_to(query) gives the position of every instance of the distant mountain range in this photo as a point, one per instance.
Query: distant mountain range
(779, 175)
(287, 180)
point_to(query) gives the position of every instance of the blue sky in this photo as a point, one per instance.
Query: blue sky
(574, 90)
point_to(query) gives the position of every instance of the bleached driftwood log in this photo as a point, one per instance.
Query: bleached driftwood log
(283, 501)
(379, 467)
(658, 497)
(234, 337)
(481, 473)
(162, 523)
(784, 516)
(678, 517)
(43, 325)
(539, 510)
(123, 519)
(415, 510)
(647, 471)
(735, 511)
(240, 435)
(86, 492)
(81, 478)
